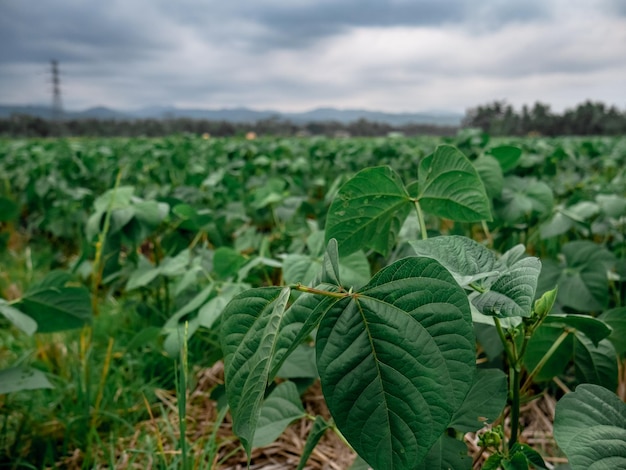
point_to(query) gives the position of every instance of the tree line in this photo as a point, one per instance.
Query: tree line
(496, 118)
(588, 118)
(30, 126)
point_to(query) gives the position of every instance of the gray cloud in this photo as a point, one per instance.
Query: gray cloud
(394, 54)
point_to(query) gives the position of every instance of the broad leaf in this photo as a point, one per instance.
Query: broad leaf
(523, 198)
(593, 364)
(582, 280)
(368, 211)
(616, 319)
(450, 187)
(513, 292)
(281, 407)
(250, 325)
(595, 329)
(467, 260)
(490, 173)
(56, 306)
(447, 453)
(484, 401)
(16, 379)
(590, 427)
(506, 287)
(507, 156)
(396, 359)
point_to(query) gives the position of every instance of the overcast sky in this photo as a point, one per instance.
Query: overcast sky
(296, 55)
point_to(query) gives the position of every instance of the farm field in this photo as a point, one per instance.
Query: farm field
(194, 303)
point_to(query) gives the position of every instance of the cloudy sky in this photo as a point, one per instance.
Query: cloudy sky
(296, 55)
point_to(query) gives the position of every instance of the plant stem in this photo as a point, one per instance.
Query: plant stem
(312, 290)
(420, 218)
(515, 404)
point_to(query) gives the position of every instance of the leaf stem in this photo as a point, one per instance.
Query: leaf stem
(420, 218)
(312, 290)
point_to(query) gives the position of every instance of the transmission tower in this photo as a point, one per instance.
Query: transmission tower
(57, 106)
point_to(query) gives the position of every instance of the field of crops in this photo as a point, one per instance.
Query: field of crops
(196, 303)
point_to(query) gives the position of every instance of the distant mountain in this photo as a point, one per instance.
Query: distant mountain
(243, 115)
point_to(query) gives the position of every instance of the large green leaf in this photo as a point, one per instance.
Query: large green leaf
(468, 261)
(507, 156)
(590, 427)
(513, 292)
(616, 319)
(368, 211)
(281, 407)
(396, 359)
(251, 322)
(484, 401)
(56, 305)
(593, 363)
(506, 287)
(447, 453)
(16, 379)
(582, 279)
(523, 198)
(595, 329)
(490, 173)
(450, 187)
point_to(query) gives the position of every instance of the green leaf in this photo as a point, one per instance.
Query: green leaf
(450, 187)
(616, 319)
(493, 462)
(281, 407)
(143, 275)
(368, 211)
(9, 210)
(516, 461)
(507, 156)
(590, 427)
(299, 364)
(612, 205)
(315, 434)
(484, 401)
(211, 311)
(543, 338)
(595, 364)
(18, 319)
(226, 262)
(582, 281)
(523, 198)
(16, 379)
(56, 308)
(595, 329)
(300, 268)
(490, 173)
(506, 286)
(531, 455)
(176, 266)
(468, 261)
(513, 292)
(396, 359)
(447, 453)
(250, 325)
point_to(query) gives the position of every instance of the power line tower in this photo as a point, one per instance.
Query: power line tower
(57, 106)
